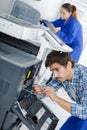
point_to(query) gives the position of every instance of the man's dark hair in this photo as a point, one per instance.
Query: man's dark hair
(59, 57)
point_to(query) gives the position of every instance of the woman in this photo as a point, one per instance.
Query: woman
(70, 29)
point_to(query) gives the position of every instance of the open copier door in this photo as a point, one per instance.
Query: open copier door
(18, 103)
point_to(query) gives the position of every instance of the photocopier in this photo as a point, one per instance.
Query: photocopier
(22, 50)
(19, 66)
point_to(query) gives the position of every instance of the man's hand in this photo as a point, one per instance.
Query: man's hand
(49, 92)
(37, 89)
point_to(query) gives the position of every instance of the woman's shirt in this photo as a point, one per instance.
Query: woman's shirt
(71, 33)
(77, 90)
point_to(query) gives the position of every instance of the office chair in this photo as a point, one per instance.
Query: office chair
(25, 12)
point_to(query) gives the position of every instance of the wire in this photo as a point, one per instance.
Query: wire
(41, 97)
(32, 92)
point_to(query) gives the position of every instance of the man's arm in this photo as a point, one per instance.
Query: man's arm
(49, 91)
(64, 104)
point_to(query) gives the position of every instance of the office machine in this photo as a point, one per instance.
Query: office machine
(18, 103)
(37, 34)
(53, 38)
(23, 31)
(23, 46)
(25, 12)
(19, 28)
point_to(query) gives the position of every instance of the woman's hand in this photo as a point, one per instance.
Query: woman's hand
(40, 19)
(55, 30)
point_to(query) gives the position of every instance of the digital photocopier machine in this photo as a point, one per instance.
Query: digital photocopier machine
(20, 63)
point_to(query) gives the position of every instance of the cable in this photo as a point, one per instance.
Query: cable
(49, 79)
(24, 113)
(41, 97)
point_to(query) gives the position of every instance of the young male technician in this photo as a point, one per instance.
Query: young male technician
(73, 77)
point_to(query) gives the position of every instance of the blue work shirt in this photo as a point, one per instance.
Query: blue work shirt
(77, 90)
(71, 33)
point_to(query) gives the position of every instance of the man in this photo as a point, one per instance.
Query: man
(73, 77)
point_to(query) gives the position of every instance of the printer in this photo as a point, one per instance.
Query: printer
(19, 66)
(39, 35)
(23, 47)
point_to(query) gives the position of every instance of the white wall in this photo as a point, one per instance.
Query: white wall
(49, 9)
(5, 5)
